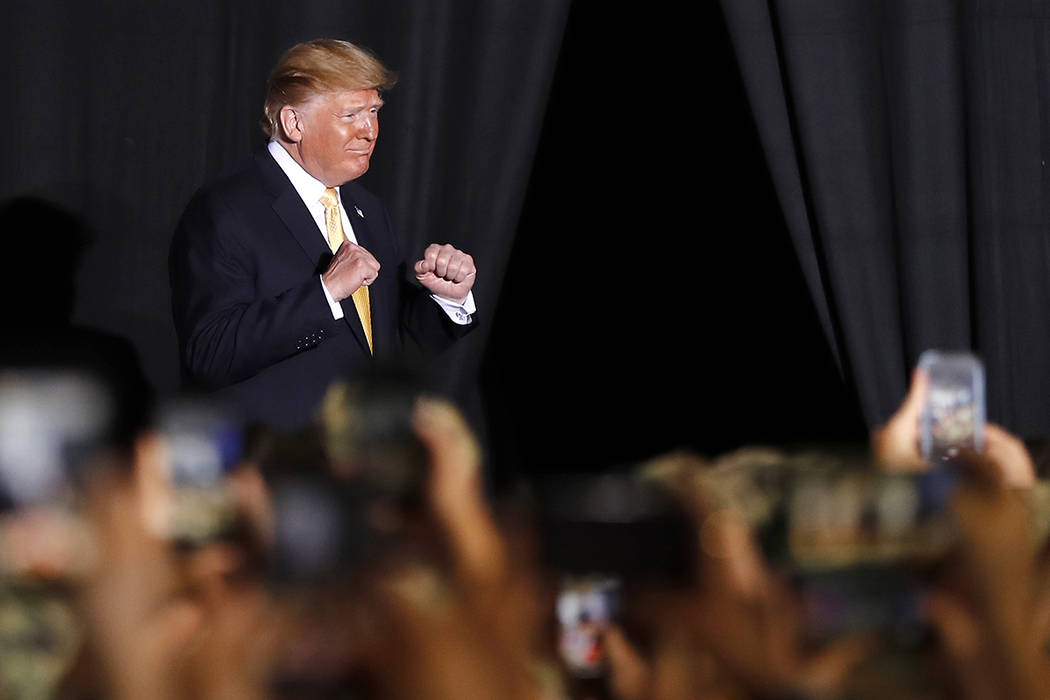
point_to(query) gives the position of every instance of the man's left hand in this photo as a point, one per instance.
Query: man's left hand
(446, 271)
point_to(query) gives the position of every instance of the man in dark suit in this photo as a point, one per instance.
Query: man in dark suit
(286, 274)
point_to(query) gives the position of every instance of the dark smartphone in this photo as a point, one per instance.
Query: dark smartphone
(367, 434)
(618, 525)
(860, 546)
(321, 531)
(953, 416)
(364, 471)
(321, 545)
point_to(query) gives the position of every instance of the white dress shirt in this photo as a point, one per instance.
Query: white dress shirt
(310, 190)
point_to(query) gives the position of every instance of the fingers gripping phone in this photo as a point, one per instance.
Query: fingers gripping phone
(953, 415)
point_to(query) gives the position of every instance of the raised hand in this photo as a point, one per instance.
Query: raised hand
(446, 271)
(895, 444)
(351, 267)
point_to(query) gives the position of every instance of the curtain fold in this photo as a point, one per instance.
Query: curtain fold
(907, 140)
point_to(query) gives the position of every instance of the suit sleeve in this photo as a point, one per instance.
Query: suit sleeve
(226, 332)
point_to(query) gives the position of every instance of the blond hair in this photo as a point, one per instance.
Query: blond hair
(316, 67)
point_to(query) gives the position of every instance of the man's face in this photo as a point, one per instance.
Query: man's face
(338, 131)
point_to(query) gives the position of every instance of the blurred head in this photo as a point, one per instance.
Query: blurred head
(322, 104)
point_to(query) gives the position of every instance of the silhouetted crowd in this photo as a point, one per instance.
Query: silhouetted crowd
(179, 552)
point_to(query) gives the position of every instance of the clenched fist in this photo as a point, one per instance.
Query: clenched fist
(352, 266)
(446, 271)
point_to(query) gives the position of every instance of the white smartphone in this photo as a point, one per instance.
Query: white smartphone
(586, 605)
(954, 413)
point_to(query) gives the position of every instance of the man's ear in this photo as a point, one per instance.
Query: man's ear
(291, 120)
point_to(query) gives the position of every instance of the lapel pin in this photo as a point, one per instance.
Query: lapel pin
(359, 212)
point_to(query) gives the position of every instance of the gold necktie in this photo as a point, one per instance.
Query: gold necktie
(334, 222)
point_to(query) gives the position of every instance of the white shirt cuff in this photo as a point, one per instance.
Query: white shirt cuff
(337, 310)
(459, 313)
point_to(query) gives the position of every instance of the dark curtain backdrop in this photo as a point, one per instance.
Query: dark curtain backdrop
(118, 111)
(639, 289)
(908, 143)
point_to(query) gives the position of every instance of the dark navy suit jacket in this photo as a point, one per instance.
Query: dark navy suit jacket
(251, 316)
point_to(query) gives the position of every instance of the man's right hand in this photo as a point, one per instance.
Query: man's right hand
(352, 266)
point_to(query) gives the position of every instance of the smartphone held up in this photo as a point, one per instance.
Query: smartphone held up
(606, 540)
(953, 414)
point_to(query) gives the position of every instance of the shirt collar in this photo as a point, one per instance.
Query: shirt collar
(309, 187)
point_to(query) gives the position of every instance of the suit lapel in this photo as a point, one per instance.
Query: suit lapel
(289, 207)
